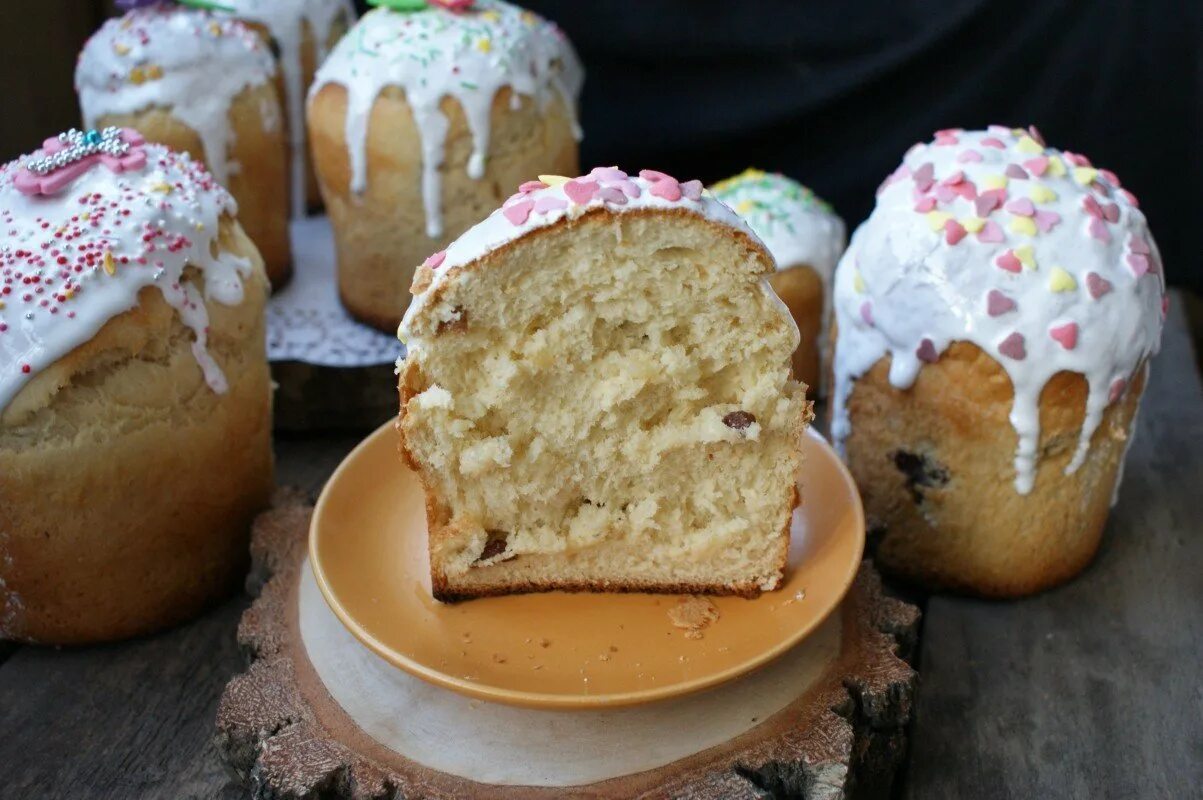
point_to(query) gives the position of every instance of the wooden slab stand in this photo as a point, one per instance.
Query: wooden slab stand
(288, 739)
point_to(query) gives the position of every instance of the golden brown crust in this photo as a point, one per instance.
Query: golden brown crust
(259, 185)
(935, 468)
(380, 234)
(801, 289)
(128, 485)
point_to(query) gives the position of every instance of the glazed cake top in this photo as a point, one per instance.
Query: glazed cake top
(466, 51)
(83, 233)
(1036, 256)
(187, 60)
(553, 198)
(794, 223)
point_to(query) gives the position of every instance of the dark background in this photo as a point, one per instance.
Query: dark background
(831, 93)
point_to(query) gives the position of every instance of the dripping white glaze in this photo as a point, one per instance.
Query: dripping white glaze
(181, 59)
(286, 21)
(1060, 274)
(539, 204)
(72, 261)
(435, 53)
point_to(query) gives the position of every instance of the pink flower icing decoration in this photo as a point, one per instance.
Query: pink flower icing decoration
(69, 155)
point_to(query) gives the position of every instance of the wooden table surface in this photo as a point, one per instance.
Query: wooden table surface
(1094, 690)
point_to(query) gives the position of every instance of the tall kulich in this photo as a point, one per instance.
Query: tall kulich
(135, 400)
(996, 314)
(419, 121)
(204, 84)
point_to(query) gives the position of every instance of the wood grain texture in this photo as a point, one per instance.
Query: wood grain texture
(280, 730)
(1091, 690)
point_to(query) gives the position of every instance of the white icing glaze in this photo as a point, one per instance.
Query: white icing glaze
(71, 261)
(538, 205)
(286, 21)
(182, 59)
(796, 226)
(1057, 261)
(435, 53)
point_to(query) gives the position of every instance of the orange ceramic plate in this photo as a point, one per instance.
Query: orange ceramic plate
(558, 650)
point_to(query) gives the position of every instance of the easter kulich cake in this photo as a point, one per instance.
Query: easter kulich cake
(597, 395)
(301, 34)
(204, 84)
(995, 317)
(806, 238)
(420, 120)
(134, 392)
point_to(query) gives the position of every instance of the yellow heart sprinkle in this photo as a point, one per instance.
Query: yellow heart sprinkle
(973, 224)
(154, 72)
(995, 182)
(484, 45)
(529, 18)
(858, 283)
(110, 266)
(121, 49)
(1085, 175)
(491, 16)
(1042, 194)
(1025, 255)
(1029, 146)
(1024, 225)
(162, 188)
(137, 76)
(1061, 281)
(1056, 167)
(744, 206)
(553, 180)
(67, 294)
(936, 219)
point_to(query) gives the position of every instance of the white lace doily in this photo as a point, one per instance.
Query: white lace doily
(305, 321)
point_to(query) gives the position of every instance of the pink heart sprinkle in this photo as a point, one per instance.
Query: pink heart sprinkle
(966, 189)
(926, 352)
(579, 191)
(630, 188)
(652, 175)
(969, 157)
(990, 141)
(608, 174)
(1009, 262)
(518, 213)
(988, 201)
(925, 204)
(1110, 177)
(612, 194)
(1013, 347)
(1111, 212)
(1065, 335)
(924, 176)
(953, 231)
(998, 303)
(435, 260)
(549, 203)
(1139, 264)
(1023, 207)
(516, 197)
(945, 194)
(999, 130)
(953, 179)
(1046, 220)
(1138, 245)
(692, 189)
(1037, 166)
(1015, 171)
(532, 186)
(991, 232)
(866, 313)
(1092, 207)
(667, 188)
(1034, 132)
(1131, 198)
(1098, 230)
(1097, 285)
(1117, 389)
(1077, 159)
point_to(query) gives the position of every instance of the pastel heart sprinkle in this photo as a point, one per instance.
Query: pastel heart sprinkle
(991, 233)
(1042, 194)
(990, 141)
(1037, 166)
(1139, 245)
(608, 174)
(1091, 207)
(1111, 212)
(1046, 220)
(988, 201)
(1065, 335)
(925, 204)
(953, 231)
(1056, 167)
(1029, 146)
(1110, 177)
(1098, 229)
(692, 190)
(1097, 285)
(1024, 225)
(858, 282)
(518, 213)
(1061, 281)
(1026, 256)
(1023, 207)
(995, 182)
(651, 175)
(613, 195)
(945, 194)
(866, 313)
(580, 192)
(998, 303)
(923, 176)
(1085, 175)
(1138, 263)
(1013, 347)
(630, 188)
(553, 180)
(969, 157)
(532, 186)
(973, 224)
(549, 203)
(667, 188)
(1131, 198)
(435, 260)
(1009, 262)
(1017, 172)
(936, 219)
(926, 352)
